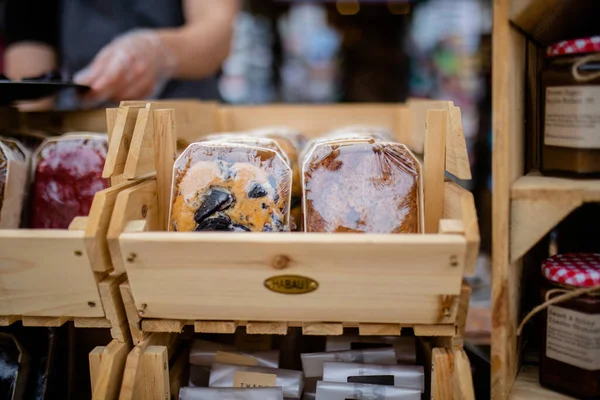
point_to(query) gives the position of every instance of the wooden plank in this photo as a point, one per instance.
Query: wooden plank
(108, 379)
(459, 204)
(114, 307)
(166, 273)
(537, 187)
(322, 329)
(530, 15)
(379, 329)
(463, 308)
(442, 370)
(162, 325)
(267, 328)
(119, 141)
(135, 203)
(165, 155)
(462, 378)
(44, 321)
(8, 320)
(508, 78)
(310, 120)
(133, 384)
(133, 318)
(33, 282)
(226, 327)
(91, 323)
(140, 159)
(457, 156)
(418, 111)
(156, 372)
(98, 221)
(435, 330)
(433, 168)
(111, 120)
(78, 224)
(95, 357)
(527, 387)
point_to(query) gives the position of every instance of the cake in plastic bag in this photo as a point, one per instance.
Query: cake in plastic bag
(14, 174)
(230, 187)
(361, 185)
(67, 174)
(291, 142)
(358, 391)
(241, 138)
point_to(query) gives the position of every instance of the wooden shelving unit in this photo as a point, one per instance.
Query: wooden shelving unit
(527, 387)
(526, 205)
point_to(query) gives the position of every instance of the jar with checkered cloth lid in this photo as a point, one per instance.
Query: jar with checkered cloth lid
(570, 346)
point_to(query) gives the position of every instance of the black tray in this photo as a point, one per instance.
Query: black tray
(12, 91)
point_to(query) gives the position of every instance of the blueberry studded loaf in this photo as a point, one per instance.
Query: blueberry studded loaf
(230, 187)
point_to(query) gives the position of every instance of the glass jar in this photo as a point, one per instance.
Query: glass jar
(570, 109)
(570, 346)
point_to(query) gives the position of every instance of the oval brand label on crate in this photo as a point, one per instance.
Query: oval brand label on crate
(291, 284)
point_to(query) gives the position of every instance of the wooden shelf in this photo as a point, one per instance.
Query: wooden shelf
(550, 21)
(527, 387)
(539, 203)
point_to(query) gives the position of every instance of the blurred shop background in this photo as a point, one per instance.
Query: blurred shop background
(320, 51)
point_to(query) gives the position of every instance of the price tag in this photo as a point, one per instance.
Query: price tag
(243, 379)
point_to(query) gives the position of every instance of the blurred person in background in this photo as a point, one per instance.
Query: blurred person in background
(122, 49)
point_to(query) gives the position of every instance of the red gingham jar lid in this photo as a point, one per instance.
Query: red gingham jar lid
(573, 269)
(575, 46)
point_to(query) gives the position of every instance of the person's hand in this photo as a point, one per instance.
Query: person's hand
(131, 67)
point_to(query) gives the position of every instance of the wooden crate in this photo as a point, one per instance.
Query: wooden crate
(215, 281)
(49, 277)
(155, 366)
(526, 205)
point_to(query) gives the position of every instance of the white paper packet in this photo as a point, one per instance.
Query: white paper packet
(312, 363)
(405, 346)
(406, 376)
(358, 391)
(187, 393)
(291, 382)
(203, 353)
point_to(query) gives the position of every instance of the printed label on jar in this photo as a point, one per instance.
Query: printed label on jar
(572, 117)
(573, 338)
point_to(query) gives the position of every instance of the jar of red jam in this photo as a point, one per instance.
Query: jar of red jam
(570, 109)
(570, 347)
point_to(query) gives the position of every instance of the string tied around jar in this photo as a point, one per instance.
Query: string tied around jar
(567, 294)
(579, 77)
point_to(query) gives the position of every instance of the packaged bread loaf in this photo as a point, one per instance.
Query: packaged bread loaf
(14, 175)
(67, 174)
(230, 187)
(361, 185)
(187, 393)
(204, 353)
(405, 376)
(291, 142)
(312, 363)
(360, 391)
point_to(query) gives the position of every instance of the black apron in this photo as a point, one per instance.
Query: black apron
(88, 25)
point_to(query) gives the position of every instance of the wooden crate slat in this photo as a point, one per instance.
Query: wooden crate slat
(215, 326)
(379, 329)
(370, 261)
(54, 280)
(322, 329)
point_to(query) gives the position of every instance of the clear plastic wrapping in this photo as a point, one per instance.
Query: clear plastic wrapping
(14, 175)
(242, 138)
(67, 174)
(312, 363)
(376, 132)
(203, 353)
(291, 382)
(406, 376)
(230, 187)
(291, 142)
(358, 391)
(187, 393)
(404, 346)
(361, 185)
